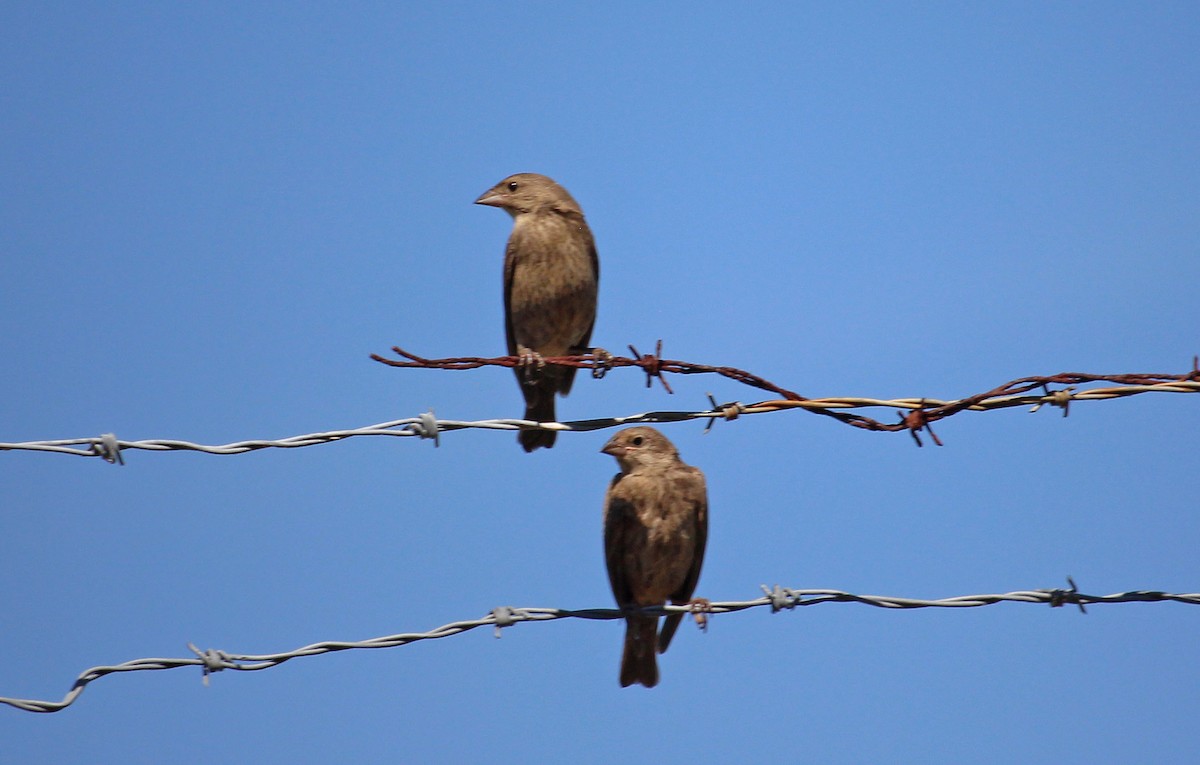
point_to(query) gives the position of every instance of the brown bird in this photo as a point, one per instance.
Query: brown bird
(655, 529)
(551, 278)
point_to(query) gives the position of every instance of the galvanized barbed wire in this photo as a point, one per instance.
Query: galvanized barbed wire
(917, 413)
(776, 598)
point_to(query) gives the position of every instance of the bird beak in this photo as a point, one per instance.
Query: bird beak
(613, 448)
(490, 199)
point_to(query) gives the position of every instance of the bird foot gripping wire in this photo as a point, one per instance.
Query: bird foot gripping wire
(527, 362)
(700, 609)
(601, 362)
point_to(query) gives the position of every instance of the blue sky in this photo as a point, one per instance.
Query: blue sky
(211, 216)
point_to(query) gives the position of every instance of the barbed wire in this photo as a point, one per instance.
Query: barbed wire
(923, 412)
(916, 414)
(776, 598)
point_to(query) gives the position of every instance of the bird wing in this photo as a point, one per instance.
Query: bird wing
(594, 256)
(697, 499)
(619, 515)
(510, 262)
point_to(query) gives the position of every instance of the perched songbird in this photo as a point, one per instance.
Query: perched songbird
(655, 528)
(551, 277)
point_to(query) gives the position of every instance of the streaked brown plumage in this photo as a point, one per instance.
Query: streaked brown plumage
(655, 530)
(551, 279)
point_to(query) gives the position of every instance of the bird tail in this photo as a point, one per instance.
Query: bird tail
(539, 407)
(668, 631)
(638, 664)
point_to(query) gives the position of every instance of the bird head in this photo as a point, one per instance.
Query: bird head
(526, 193)
(640, 447)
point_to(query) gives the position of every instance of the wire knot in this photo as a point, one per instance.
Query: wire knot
(426, 426)
(108, 449)
(780, 598)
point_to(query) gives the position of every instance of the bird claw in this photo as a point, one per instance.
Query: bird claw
(527, 360)
(700, 607)
(601, 362)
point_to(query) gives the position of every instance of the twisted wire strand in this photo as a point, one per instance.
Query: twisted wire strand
(917, 414)
(776, 598)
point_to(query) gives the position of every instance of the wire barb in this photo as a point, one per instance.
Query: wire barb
(779, 598)
(504, 616)
(918, 420)
(727, 412)
(1060, 398)
(653, 365)
(212, 661)
(426, 426)
(108, 448)
(1059, 597)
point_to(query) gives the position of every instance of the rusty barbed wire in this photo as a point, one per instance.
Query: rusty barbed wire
(599, 362)
(916, 414)
(776, 598)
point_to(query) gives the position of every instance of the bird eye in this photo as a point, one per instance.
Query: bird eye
(637, 440)
(512, 185)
